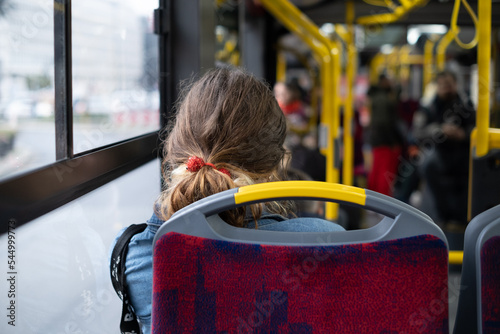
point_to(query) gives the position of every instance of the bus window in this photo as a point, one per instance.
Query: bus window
(27, 132)
(115, 71)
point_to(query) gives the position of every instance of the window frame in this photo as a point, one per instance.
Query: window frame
(34, 193)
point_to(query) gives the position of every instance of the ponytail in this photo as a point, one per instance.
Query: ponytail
(186, 187)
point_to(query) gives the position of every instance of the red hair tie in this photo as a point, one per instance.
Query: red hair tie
(194, 164)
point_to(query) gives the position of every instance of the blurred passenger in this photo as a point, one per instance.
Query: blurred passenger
(443, 131)
(307, 158)
(359, 160)
(408, 179)
(385, 136)
(229, 132)
(289, 97)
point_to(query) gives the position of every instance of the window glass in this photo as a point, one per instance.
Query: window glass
(27, 131)
(115, 71)
(61, 272)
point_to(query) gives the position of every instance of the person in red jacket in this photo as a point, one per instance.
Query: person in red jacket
(385, 136)
(289, 99)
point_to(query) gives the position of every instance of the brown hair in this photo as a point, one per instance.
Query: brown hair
(232, 120)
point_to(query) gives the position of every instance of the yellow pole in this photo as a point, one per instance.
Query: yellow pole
(331, 119)
(404, 60)
(393, 62)
(348, 162)
(301, 25)
(333, 123)
(441, 49)
(281, 67)
(483, 74)
(428, 62)
(340, 47)
(377, 62)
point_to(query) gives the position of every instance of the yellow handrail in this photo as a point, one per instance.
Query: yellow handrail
(338, 72)
(441, 49)
(348, 159)
(493, 137)
(393, 61)
(456, 30)
(396, 15)
(304, 28)
(405, 3)
(348, 162)
(380, 60)
(483, 74)
(456, 257)
(281, 67)
(404, 59)
(377, 62)
(379, 3)
(342, 32)
(428, 63)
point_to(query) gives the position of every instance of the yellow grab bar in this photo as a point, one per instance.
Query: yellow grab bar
(483, 62)
(396, 15)
(393, 62)
(281, 67)
(348, 162)
(494, 138)
(441, 49)
(305, 29)
(375, 65)
(428, 63)
(456, 30)
(456, 257)
(404, 69)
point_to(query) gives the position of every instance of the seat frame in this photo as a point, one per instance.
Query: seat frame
(401, 221)
(480, 229)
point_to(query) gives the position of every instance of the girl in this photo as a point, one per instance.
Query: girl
(229, 132)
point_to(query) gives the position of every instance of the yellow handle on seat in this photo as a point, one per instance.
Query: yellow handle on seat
(305, 189)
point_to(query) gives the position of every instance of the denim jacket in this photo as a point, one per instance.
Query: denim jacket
(139, 261)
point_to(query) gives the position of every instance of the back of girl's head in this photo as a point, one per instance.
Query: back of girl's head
(229, 119)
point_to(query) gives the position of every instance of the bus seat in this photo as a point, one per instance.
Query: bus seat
(210, 277)
(479, 300)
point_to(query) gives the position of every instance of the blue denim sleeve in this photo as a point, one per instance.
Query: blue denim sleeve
(139, 275)
(300, 224)
(139, 271)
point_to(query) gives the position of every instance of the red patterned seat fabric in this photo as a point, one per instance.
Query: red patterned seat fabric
(490, 285)
(210, 286)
